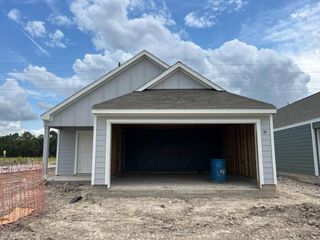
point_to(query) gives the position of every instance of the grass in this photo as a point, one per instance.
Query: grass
(24, 160)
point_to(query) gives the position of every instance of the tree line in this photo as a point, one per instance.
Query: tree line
(26, 145)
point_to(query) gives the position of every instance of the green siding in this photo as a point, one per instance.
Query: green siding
(293, 148)
(316, 125)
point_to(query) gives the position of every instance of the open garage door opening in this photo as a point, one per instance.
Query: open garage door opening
(183, 149)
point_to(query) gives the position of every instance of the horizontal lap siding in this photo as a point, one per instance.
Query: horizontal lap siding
(100, 151)
(294, 152)
(67, 141)
(268, 170)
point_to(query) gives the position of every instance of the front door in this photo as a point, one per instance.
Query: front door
(84, 151)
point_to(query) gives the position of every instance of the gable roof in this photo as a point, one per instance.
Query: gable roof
(300, 111)
(185, 69)
(195, 99)
(84, 91)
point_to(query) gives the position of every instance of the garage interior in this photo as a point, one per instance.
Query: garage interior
(182, 152)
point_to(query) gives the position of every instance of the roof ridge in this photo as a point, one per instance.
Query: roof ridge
(208, 100)
(302, 99)
(252, 99)
(188, 70)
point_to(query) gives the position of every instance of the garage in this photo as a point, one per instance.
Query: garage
(183, 149)
(151, 119)
(177, 132)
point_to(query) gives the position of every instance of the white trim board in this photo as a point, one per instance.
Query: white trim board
(185, 69)
(57, 153)
(314, 148)
(318, 147)
(297, 124)
(107, 173)
(109, 123)
(94, 150)
(260, 158)
(273, 151)
(75, 166)
(45, 151)
(182, 111)
(47, 116)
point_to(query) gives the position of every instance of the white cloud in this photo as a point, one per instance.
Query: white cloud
(301, 28)
(14, 15)
(207, 16)
(44, 105)
(193, 20)
(40, 49)
(309, 62)
(30, 29)
(294, 31)
(35, 28)
(260, 73)
(9, 127)
(93, 66)
(36, 132)
(60, 20)
(109, 20)
(47, 81)
(14, 105)
(57, 39)
(226, 5)
(142, 5)
(87, 70)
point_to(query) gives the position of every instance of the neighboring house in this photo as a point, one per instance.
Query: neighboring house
(147, 116)
(297, 136)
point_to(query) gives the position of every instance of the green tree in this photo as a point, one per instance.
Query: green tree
(26, 144)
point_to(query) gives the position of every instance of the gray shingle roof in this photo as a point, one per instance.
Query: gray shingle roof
(182, 99)
(303, 110)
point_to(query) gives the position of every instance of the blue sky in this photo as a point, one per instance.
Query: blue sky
(266, 49)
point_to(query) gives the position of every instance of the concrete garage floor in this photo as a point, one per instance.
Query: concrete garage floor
(168, 185)
(175, 184)
(167, 180)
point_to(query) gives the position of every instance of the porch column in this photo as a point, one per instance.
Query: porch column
(45, 155)
(108, 155)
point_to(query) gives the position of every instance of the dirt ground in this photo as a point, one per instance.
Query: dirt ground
(295, 214)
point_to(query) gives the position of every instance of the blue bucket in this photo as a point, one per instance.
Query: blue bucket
(218, 170)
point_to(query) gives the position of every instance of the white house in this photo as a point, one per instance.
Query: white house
(147, 116)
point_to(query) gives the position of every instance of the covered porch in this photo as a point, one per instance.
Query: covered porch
(73, 154)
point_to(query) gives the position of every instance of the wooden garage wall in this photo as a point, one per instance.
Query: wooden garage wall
(239, 150)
